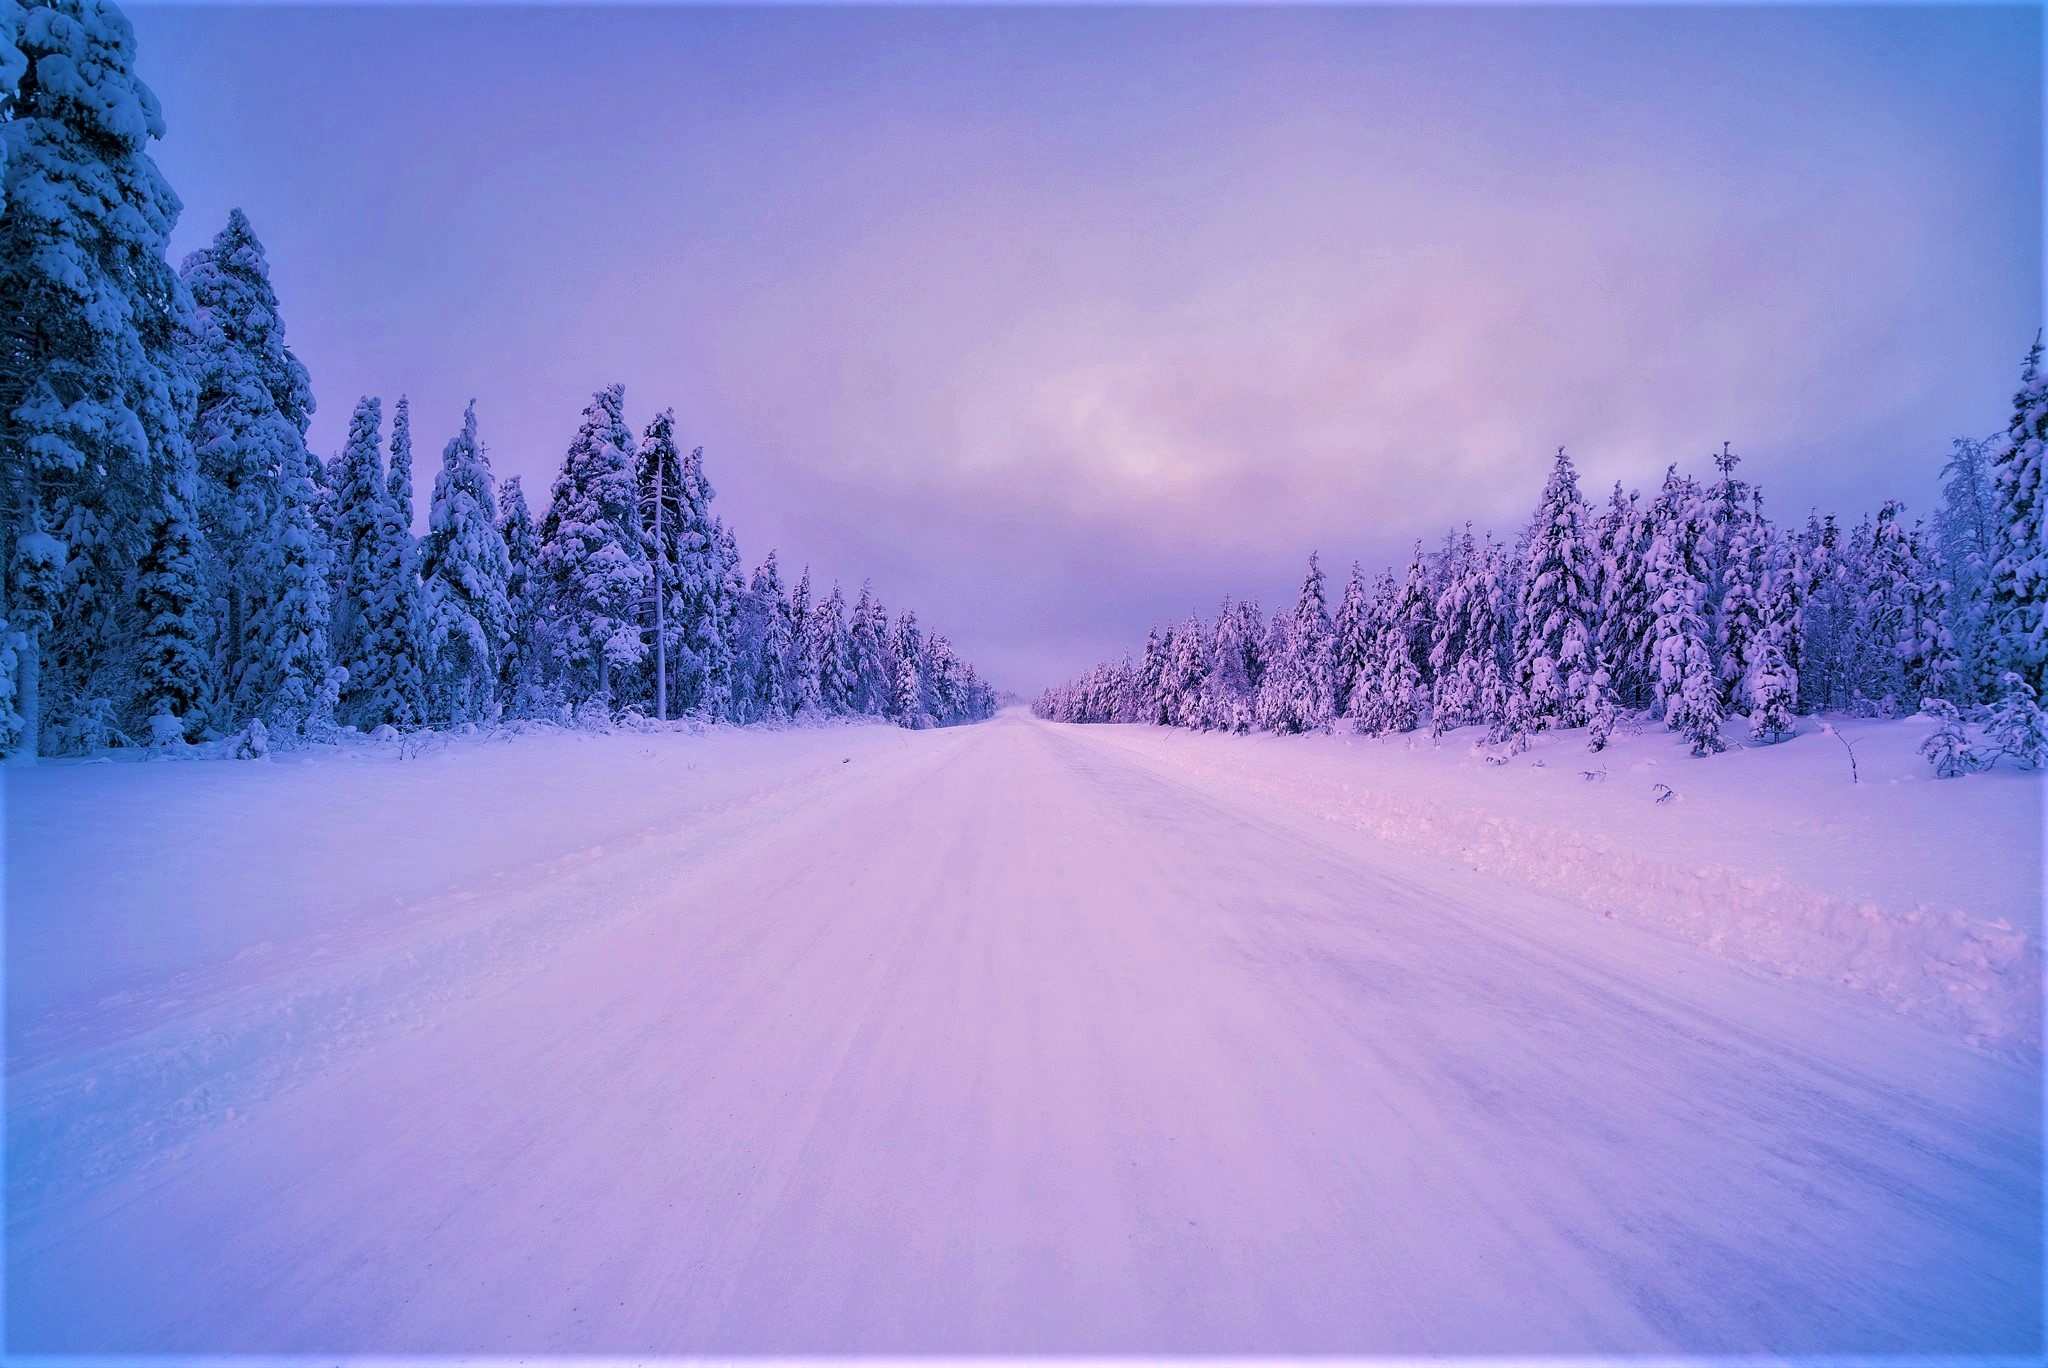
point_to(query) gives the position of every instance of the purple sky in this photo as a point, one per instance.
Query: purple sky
(1060, 322)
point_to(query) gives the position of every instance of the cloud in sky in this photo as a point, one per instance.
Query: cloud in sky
(1058, 322)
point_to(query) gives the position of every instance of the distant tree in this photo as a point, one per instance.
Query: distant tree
(1555, 666)
(2019, 578)
(592, 553)
(465, 574)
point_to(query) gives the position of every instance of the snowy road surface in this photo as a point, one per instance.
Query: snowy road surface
(1003, 1039)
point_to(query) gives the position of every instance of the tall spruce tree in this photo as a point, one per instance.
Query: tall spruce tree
(95, 396)
(2019, 577)
(171, 664)
(1554, 620)
(523, 672)
(832, 650)
(1351, 644)
(360, 495)
(465, 570)
(1688, 687)
(592, 553)
(868, 654)
(288, 678)
(1299, 691)
(255, 402)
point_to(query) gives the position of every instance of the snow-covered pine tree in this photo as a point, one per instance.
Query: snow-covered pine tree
(400, 474)
(523, 669)
(1555, 664)
(1965, 539)
(1403, 678)
(356, 523)
(1468, 642)
(910, 700)
(2016, 724)
(1907, 650)
(1948, 747)
(2019, 578)
(593, 557)
(255, 402)
(288, 679)
(800, 668)
(1688, 690)
(1745, 544)
(1351, 644)
(1299, 691)
(1724, 513)
(95, 396)
(830, 647)
(701, 665)
(1227, 688)
(1621, 548)
(1151, 678)
(393, 688)
(1826, 635)
(872, 671)
(666, 529)
(1772, 684)
(725, 674)
(464, 571)
(174, 639)
(1184, 673)
(765, 642)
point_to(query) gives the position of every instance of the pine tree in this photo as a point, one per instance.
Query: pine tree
(701, 610)
(665, 529)
(592, 554)
(1948, 747)
(523, 671)
(725, 687)
(2016, 725)
(255, 402)
(464, 574)
(1966, 540)
(1622, 547)
(1351, 645)
(357, 528)
(1402, 678)
(171, 666)
(765, 643)
(1468, 642)
(838, 687)
(288, 680)
(1555, 667)
(1688, 690)
(868, 650)
(1299, 691)
(1184, 673)
(391, 689)
(1826, 634)
(96, 400)
(1772, 687)
(1740, 624)
(910, 700)
(2019, 578)
(801, 671)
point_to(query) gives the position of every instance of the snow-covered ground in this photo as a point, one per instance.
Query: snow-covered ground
(1023, 1038)
(1923, 895)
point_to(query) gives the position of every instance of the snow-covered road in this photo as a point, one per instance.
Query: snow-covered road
(1007, 1039)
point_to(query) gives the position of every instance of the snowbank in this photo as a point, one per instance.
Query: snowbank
(1922, 894)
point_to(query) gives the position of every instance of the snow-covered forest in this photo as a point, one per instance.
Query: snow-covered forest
(1688, 606)
(179, 567)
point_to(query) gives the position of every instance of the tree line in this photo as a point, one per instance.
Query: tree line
(1688, 606)
(175, 563)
